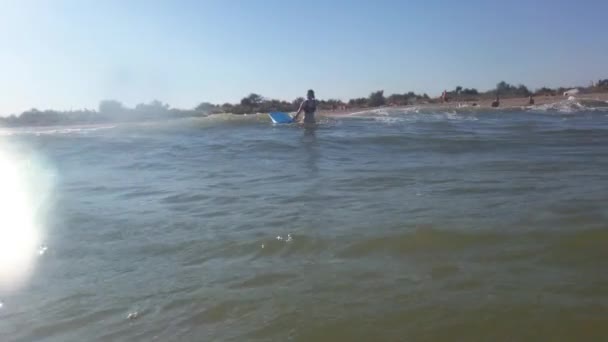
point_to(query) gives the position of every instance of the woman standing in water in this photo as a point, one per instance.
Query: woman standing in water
(309, 107)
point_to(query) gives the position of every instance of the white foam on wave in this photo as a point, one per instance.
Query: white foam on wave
(452, 116)
(466, 112)
(389, 120)
(52, 130)
(391, 116)
(569, 106)
(385, 111)
(382, 112)
(572, 105)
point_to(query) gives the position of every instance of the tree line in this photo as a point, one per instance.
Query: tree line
(112, 110)
(108, 111)
(506, 90)
(255, 103)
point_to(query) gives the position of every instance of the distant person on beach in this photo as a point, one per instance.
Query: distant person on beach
(496, 102)
(531, 101)
(444, 96)
(309, 107)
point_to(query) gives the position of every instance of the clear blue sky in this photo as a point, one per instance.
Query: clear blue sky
(72, 54)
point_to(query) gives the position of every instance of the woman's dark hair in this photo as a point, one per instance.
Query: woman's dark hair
(311, 94)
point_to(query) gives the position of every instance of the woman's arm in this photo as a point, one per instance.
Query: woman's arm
(295, 118)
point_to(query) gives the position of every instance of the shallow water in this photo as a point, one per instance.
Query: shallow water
(385, 225)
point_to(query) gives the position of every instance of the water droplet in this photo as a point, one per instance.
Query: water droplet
(42, 250)
(1, 305)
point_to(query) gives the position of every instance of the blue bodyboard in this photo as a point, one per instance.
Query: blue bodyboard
(280, 117)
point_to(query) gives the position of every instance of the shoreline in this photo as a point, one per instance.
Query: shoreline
(589, 100)
(507, 103)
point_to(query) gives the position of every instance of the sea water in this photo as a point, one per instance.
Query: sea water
(384, 225)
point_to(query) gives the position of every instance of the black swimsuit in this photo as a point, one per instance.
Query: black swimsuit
(309, 107)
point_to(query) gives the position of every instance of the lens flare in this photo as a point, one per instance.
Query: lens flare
(22, 194)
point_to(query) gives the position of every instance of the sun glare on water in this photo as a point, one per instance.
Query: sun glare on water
(20, 205)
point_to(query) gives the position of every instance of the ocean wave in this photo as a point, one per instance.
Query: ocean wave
(468, 112)
(408, 115)
(67, 130)
(571, 106)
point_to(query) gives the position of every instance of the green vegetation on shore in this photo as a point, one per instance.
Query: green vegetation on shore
(114, 111)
